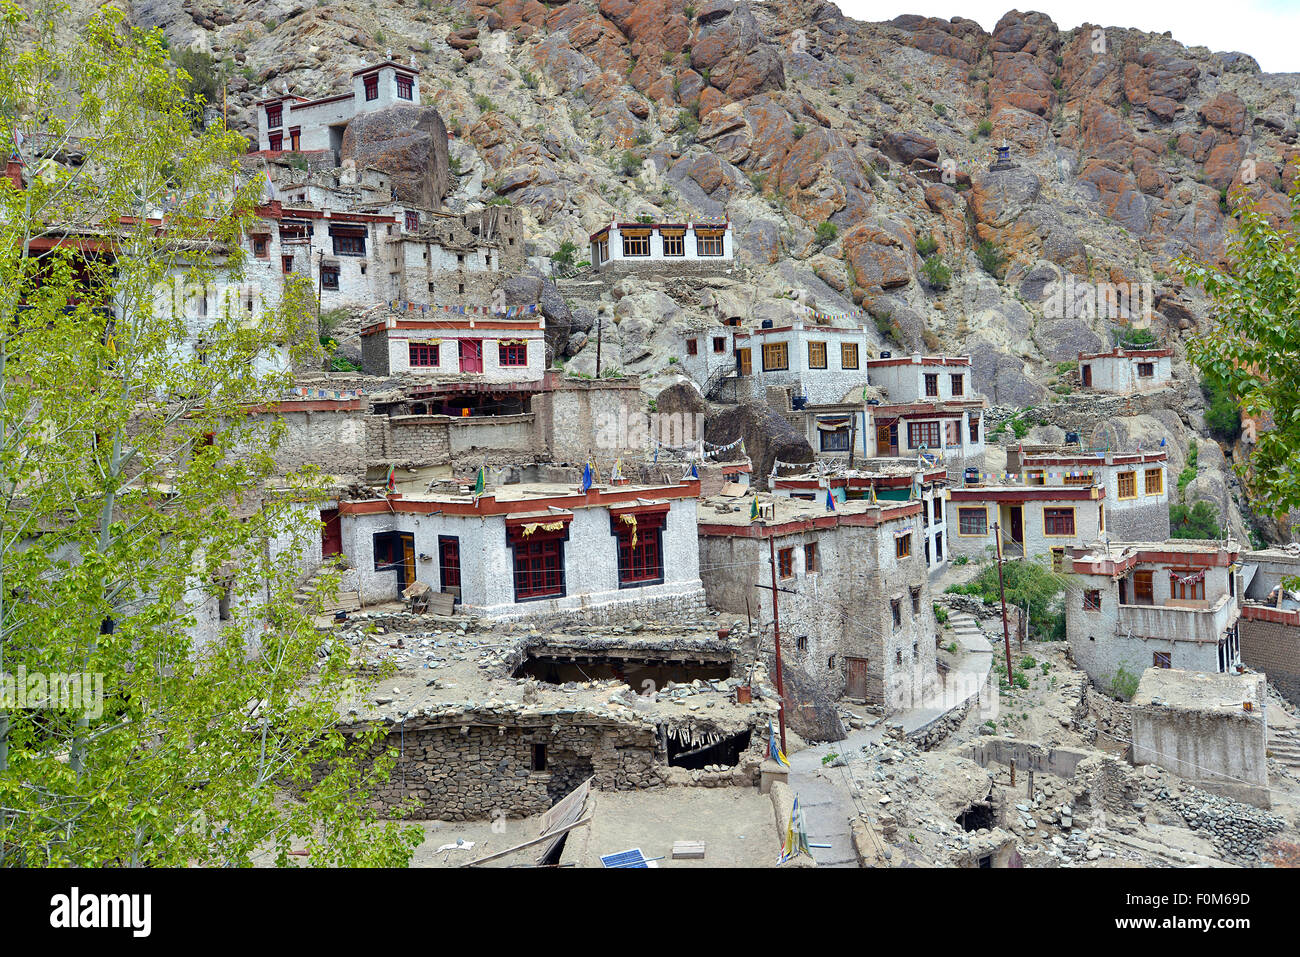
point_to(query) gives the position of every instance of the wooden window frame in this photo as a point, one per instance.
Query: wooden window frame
(1092, 599)
(1147, 576)
(371, 86)
(776, 349)
(329, 277)
(643, 564)
(405, 83)
(958, 383)
(1058, 518)
(810, 561)
(785, 562)
(633, 244)
(916, 429)
(1146, 370)
(710, 246)
(903, 545)
(537, 563)
(931, 386)
(692, 347)
(1186, 591)
(428, 354)
(1162, 659)
(513, 355)
(719, 344)
(275, 116)
(1159, 475)
(817, 354)
(848, 355)
(965, 520)
(1119, 486)
(674, 246)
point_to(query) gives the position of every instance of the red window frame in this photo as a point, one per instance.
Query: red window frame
(422, 354)
(286, 264)
(931, 383)
(642, 564)
(692, 347)
(512, 354)
(349, 244)
(449, 561)
(329, 277)
(1186, 591)
(277, 142)
(405, 86)
(261, 247)
(785, 562)
(372, 87)
(903, 545)
(1058, 521)
(412, 220)
(958, 386)
(274, 117)
(1092, 599)
(538, 564)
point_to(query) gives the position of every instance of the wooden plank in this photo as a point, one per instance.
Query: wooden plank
(688, 850)
(536, 840)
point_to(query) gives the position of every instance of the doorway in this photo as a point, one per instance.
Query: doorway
(856, 684)
(1017, 525)
(331, 533)
(449, 564)
(395, 551)
(471, 355)
(744, 363)
(887, 439)
(1086, 373)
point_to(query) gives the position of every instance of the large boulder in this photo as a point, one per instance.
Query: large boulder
(767, 434)
(407, 142)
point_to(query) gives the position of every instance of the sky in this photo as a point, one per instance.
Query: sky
(1266, 29)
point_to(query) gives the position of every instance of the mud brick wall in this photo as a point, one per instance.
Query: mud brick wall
(1273, 648)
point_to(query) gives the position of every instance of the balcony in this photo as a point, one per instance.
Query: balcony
(1178, 622)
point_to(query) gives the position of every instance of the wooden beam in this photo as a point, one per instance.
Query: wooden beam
(537, 840)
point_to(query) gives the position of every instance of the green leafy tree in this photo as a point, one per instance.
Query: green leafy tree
(1250, 354)
(1199, 520)
(1028, 583)
(135, 486)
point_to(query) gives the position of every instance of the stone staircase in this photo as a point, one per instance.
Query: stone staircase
(967, 633)
(344, 601)
(1284, 746)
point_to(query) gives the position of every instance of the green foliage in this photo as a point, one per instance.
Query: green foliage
(1188, 474)
(1222, 414)
(104, 571)
(201, 76)
(940, 110)
(1027, 582)
(926, 245)
(936, 273)
(1199, 520)
(1123, 684)
(566, 253)
(991, 259)
(800, 130)
(483, 103)
(826, 233)
(940, 614)
(960, 559)
(529, 79)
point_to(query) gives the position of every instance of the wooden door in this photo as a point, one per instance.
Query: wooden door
(331, 533)
(471, 355)
(856, 685)
(449, 564)
(408, 560)
(744, 362)
(1017, 525)
(1086, 371)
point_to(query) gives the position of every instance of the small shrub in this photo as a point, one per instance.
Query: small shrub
(991, 259)
(926, 245)
(483, 103)
(826, 233)
(800, 130)
(940, 614)
(1123, 684)
(936, 273)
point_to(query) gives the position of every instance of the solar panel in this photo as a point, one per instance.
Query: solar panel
(632, 858)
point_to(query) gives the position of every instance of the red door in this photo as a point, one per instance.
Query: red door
(331, 532)
(449, 564)
(471, 355)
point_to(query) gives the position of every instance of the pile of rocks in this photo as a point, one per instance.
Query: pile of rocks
(1238, 830)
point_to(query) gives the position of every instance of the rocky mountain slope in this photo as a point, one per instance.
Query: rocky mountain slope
(783, 117)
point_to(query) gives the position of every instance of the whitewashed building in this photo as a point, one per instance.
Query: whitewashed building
(533, 549)
(1033, 521)
(488, 348)
(1136, 503)
(815, 364)
(660, 244)
(1138, 605)
(292, 122)
(1126, 371)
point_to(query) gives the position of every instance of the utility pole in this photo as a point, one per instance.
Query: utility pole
(1006, 633)
(776, 631)
(853, 438)
(598, 327)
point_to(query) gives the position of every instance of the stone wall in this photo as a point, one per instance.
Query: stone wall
(1274, 649)
(476, 770)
